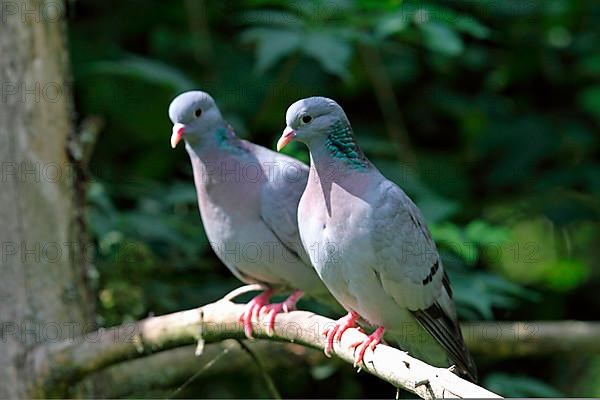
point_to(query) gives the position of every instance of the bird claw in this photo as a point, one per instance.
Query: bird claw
(369, 343)
(286, 306)
(335, 332)
(253, 309)
(259, 305)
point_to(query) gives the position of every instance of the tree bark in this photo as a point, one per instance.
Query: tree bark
(43, 295)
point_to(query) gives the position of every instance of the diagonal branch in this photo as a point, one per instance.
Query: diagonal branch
(69, 361)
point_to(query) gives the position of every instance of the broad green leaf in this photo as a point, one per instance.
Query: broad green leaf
(441, 38)
(330, 50)
(271, 45)
(390, 24)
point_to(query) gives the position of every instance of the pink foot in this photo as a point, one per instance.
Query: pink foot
(370, 342)
(335, 333)
(253, 309)
(285, 306)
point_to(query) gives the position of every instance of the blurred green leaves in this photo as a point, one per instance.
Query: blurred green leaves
(499, 101)
(536, 255)
(271, 45)
(519, 386)
(328, 47)
(590, 100)
(440, 38)
(139, 68)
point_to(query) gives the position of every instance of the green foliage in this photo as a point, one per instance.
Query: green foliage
(519, 386)
(493, 134)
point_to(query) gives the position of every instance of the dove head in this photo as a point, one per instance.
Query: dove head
(311, 118)
(322, 125)
(194, 114)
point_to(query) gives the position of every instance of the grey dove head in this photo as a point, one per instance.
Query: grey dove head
(311, 118)
(193, 114)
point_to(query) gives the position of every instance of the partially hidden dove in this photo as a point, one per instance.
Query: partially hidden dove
(248, 197)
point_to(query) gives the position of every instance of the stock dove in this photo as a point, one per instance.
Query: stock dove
(248, 197)
(375, 253)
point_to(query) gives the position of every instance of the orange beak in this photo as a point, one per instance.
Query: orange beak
(177, 134)
(287, 136)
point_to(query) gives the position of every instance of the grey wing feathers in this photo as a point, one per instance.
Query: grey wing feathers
(281, 194)
(414, 275)
(407, 257)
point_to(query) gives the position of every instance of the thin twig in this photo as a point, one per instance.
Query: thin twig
(199, 372)
(243, 290)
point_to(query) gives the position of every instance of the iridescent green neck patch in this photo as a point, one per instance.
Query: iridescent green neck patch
(341, 145)
(227, 141)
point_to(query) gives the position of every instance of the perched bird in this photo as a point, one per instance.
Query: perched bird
(248, 198)
(370, 244)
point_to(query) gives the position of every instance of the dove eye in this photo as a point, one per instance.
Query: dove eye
(198, 113)
(306, 119)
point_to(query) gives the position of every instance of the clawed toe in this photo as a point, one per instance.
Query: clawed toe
(369, 343)
(259, 306)
(334, 334)
(253, 309)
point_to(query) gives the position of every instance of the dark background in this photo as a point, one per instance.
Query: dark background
(485, 112)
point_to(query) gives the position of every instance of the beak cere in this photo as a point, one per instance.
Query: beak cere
(177, 134)
(287, 136)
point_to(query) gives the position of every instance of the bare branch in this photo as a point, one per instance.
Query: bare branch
(493, 339)
(70, 361)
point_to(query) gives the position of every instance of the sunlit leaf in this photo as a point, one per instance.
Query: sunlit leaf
(331, 51)
(390, 24)
(441, 38)
(271, 45)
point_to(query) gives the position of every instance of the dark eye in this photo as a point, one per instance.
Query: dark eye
(198, 113)
(306, 119)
